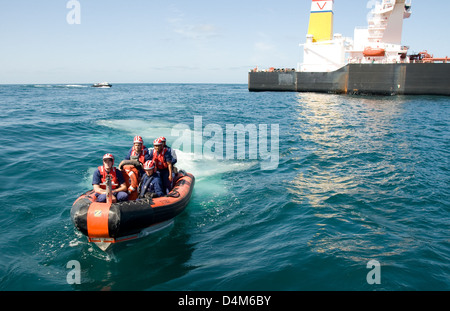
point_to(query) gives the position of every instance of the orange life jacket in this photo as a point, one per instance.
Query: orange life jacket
(132, 181)
(141, 156)
(159, 160)
(103, 173)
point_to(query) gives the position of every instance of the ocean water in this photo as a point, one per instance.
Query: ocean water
(357, 179)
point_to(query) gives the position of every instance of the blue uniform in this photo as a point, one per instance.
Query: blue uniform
(172, 154)
(164, 173)
(151, 184)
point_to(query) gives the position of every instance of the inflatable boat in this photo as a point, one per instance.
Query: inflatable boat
(107, 223)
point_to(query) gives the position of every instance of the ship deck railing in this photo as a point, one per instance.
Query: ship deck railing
(273, 70)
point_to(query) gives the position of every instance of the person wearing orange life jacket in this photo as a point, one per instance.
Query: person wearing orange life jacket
(119, 187)
(132, 170)
(163, 162)
(170, 150)
(138, 152)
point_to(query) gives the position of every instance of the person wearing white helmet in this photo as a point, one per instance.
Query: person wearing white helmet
(138, 151)
(119, 187)
(151, 185)
(163, 162)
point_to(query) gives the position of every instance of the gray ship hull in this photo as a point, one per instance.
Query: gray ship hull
(380, 79)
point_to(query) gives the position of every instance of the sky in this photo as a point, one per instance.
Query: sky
(175, 41)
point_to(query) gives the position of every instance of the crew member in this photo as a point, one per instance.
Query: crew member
(119, 187)
(170, 150)
(163, 162)
(138, 151)
(151, 185)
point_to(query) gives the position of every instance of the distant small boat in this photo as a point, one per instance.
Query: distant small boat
(102, 85)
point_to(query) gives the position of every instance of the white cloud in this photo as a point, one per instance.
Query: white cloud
(188, 29)
(262, 46)
(201, 31)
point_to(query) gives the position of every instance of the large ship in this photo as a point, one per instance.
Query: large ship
(372, 62)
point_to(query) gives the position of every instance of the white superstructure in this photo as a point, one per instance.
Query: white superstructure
(380, 42)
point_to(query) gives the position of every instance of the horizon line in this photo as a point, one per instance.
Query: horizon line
(112, 83)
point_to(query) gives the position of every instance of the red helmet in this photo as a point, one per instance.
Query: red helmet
(138, 139)
(157, 141)
(149, 165)
(108, 156)
(163, 139)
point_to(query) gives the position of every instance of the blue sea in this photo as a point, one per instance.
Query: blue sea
(356, 197)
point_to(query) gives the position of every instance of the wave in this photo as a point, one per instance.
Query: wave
(149, 130)
(201, 165)
(75, 85)
(58, 85)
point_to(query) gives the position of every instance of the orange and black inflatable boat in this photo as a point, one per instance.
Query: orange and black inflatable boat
(108, 223)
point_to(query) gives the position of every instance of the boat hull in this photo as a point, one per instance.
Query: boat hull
(379, 79)
(102, 85)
